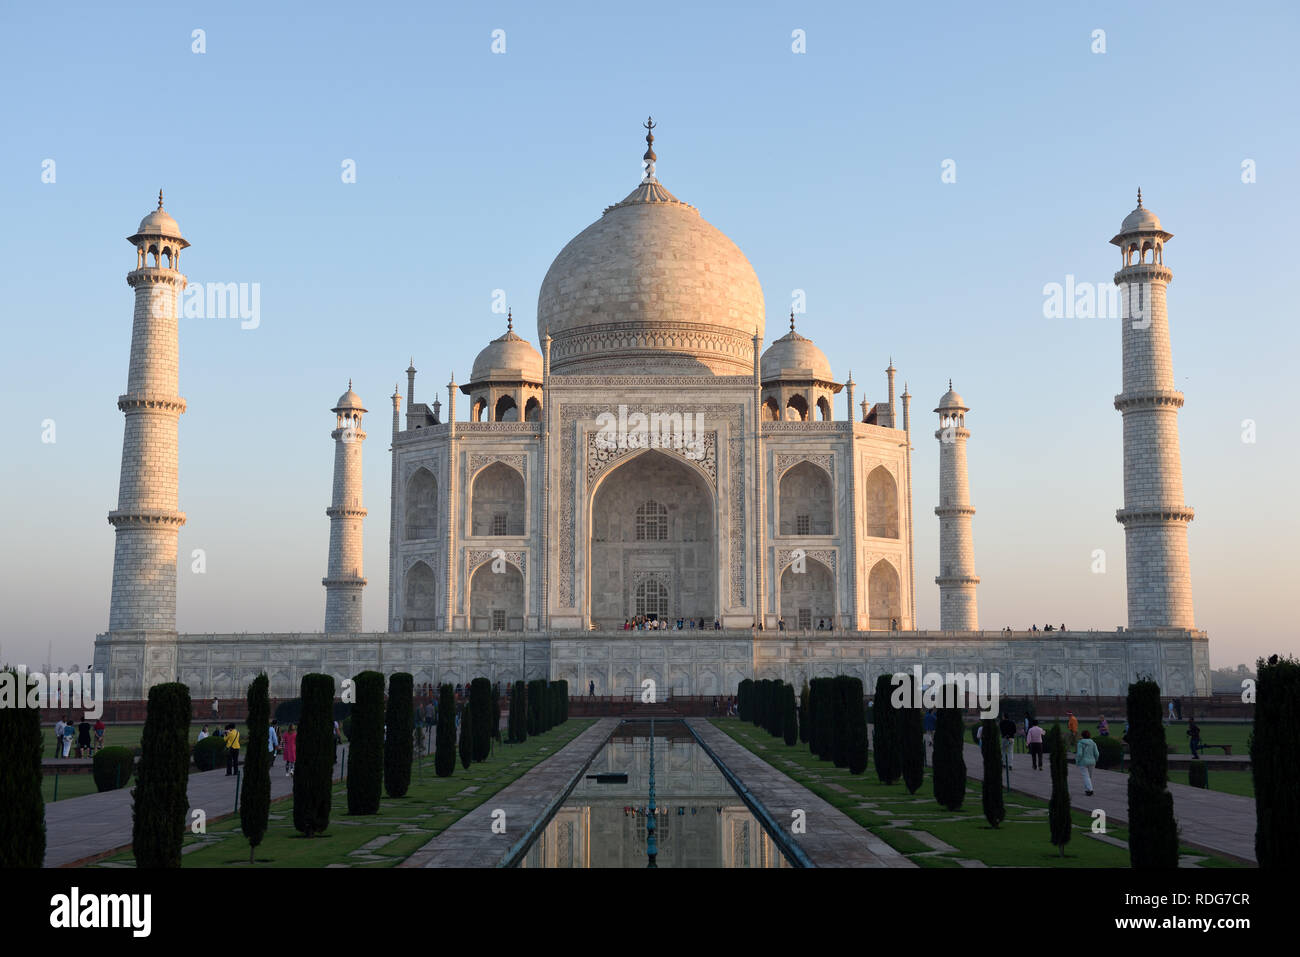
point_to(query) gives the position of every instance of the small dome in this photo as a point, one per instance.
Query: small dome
(952, 401)
(159, 223)
(348, 401)
(508, 357)
(1141, 218)
(794, 357)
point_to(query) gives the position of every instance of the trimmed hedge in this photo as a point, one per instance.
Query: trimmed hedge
(255, 793)
(22, 807)
(1273, 764)
(466, 736)
(112, 767)
(789, 719)
(1153, 831)
(444, 756)
(314, 770)
(991, 785)
(1058, 805)
(159, 802)
(480, 703)
(518, 720)
(399, 740)
(366, 756)
(745, 699)
(1110, 752)
(804, 729)
(949, 774)
(855, 708)
(886, 740)
(209, 754)
(1198, 775)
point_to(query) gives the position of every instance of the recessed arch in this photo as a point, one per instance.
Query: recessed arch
(884, 595)
(804, 501)
(532, 410)
(421, 505)
(496, 597)
(796, 408)
(506, 410)
(823, 409)
(497, 501)
(807, 595)
(771, 410)
(419, 598)
(882, 503)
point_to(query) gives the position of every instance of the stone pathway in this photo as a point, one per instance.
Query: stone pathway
(470, 841)
(81, 829)
(832, 839)
(1209, 820)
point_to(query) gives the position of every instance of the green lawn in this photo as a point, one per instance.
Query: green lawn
(1231, 733)
(890, 812)
(431, 805)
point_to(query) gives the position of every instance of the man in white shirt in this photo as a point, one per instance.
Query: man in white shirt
(272, 741)
(204, 733)
(58, 738)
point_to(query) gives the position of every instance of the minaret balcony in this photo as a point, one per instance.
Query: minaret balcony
(150, 402)
(1149, 399)
(1154, 515)
(146, 518)
(1144, 272)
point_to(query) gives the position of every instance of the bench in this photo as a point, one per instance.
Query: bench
(1227, 748)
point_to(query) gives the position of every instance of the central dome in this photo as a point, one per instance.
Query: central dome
(650, 288)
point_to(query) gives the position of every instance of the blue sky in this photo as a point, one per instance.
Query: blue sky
(475, 168)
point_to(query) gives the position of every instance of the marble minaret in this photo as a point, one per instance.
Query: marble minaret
(1154, 516)
(344, 582)
(147, 518)
(957, 579)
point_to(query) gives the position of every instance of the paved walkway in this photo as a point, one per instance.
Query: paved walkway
(470, 842)
(98, 825)
(832, 838)
(1210, 820)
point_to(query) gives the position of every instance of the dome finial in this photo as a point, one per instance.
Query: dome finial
(950, 385)
(792, 320)
(349, 383)
(649, 157)
(510, 320)
(1139, 197)
(160, 199)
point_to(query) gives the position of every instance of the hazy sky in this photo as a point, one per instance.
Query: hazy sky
(473, 169)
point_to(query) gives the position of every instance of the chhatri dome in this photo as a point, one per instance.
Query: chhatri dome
(508, 356)
(651, 288)
(794, 356)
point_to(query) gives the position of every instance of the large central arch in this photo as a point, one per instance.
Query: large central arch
(652, 520)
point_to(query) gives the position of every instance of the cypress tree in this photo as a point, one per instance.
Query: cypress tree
(803, 714)
(857, 717)
(949, 763)
(159, 801)
(22, 806)
(366, 757)
(496, 713)
(744, 699)
(790, 723)
(991, 785)
(776, 714)
(255, 796)
(466, 736)
(1058, 806)
(1273, 764)
(536, 700)
(398, 743)
(760, 689)
(840, 712)
(562, 698)
(444, 756)
(519, 713)
(886, 739)
(313, 773)
(1153, 831)
(911, 739)
(480, 702)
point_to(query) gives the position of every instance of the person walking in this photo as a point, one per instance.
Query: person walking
(1085, 756)
(100, 727)
(83, 738)
(1073, 726)
(591, 688)
(1007, 728)
(272, 742)
(929, 723)
(69, 732)
(215, 708)
(232, 749)
(1035, 738)
(1194, 734)
(58, 738)
(290, 750)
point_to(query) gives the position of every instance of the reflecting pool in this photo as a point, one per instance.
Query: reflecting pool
(699, 820)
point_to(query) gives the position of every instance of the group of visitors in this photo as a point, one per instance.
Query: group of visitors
(655, 623)
(68, 736)
(277, 742)
(1033, 629)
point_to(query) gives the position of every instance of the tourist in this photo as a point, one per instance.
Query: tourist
(1103, 727)
(780, 624)
(58, 737)
(272, 742)
(232, 749)
(1194, 733)
(1086, 758)
(69, 732)
(203, 732)
(1062, 628)
(1007, 728)
(591, 688)
(1047, 628)
(701, 623)
(1035, 738)
(717, 625)
(1073, 726)
(215, 708)
(290, 750)
(1171, 711)
(83, 738)
(338, 734)
(100, 727)
(929, 723)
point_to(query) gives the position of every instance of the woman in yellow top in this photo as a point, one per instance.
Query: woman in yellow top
(232, 749)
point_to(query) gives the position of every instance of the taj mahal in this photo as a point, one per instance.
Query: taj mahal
(653, 457)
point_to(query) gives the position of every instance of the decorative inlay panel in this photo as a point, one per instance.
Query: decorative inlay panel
(599, 460)
(788, 460)
(785, 556)
(479, 460)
